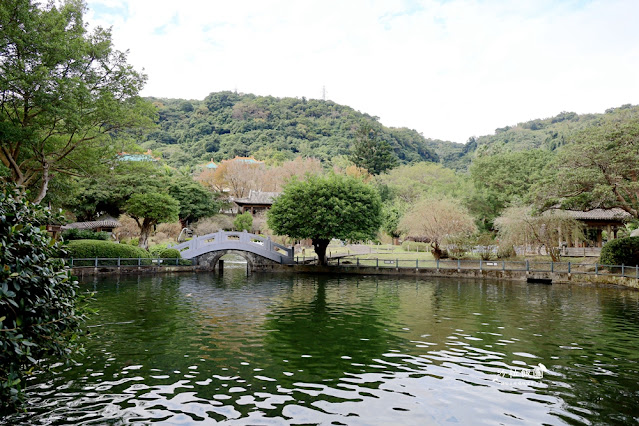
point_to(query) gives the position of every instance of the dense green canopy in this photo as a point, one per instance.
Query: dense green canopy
(323, 208)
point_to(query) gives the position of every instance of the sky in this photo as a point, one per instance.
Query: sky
(450, 69)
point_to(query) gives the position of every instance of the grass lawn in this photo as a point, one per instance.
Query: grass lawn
(390, 252)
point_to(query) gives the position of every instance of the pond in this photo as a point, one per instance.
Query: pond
(350, 350)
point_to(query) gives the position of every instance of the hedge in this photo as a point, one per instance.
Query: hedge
(83, 249)
(169, 253)
(84, 234)
(621, 251)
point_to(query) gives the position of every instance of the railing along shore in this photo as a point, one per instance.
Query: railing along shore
(103, 262)
(595, 269)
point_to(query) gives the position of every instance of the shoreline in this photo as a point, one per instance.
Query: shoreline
(548, 278)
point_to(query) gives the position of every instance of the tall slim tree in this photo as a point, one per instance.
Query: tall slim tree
(372, 153)
(63, 93)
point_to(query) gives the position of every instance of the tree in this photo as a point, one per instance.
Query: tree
(195, 200)
(503, 178)
(519, 226)
(598, 168)
(323, 208)
(39, 315)
(436, 220)
(391, 216)
(410, 183)
(148, 210)
(243, 222)
(372, 153)
(63, 93)
(236, 177)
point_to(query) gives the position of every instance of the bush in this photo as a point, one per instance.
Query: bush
(243, 222)
(156, 249)
(82, 249)
(506, 251)
(213, 224)
(622, 251)
(84, 234)
(134, 242)
(39, 312)
(170, 254)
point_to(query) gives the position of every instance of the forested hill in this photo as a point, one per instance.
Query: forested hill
(547, 134)
(226, 124)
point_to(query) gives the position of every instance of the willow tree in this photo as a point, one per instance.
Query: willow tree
(325, 207)
(436, 221)
(518, 225)
(64, 92)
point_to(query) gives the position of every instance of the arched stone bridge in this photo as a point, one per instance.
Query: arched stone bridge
(258, 250)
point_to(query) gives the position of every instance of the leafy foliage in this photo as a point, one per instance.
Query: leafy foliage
(243, 222)
(170, 254)
(228, 124)
(323, 208)
(64, 93)
(370, 153)
(84, 234)
(598, 168)
(503, 178)
(83, 249)
(39, 318)
(621, 251)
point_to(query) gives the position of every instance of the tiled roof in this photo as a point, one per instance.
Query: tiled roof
(258, 197)
(105, 222)
(597, 214)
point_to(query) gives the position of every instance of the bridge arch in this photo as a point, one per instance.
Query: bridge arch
(212, 258)
(256, 249)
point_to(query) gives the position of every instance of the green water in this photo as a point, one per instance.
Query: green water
(274, 349)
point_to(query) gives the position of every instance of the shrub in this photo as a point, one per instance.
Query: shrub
(505, 251)
(172, 230)
(84, 234)
(170, 254)
(622, 251)
(156, 249)
(243, 222)
(212, 224)
(134, 242)
(39, 312)
(82, 249)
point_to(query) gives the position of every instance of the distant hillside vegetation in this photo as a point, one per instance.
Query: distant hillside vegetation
(547, 134)
(226, 124)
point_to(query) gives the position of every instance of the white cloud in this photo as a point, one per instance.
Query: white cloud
(449, 69)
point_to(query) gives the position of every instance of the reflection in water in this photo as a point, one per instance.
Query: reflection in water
(271, 349)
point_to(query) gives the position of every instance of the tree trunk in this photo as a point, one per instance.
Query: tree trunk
(320, 246)
(145, 231)
(395, 241)
(45, 184)
(436, 250)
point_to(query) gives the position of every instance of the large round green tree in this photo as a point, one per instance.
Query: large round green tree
(323, 208)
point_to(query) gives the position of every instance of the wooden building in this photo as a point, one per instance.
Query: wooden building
(256, 202)
(596, 221)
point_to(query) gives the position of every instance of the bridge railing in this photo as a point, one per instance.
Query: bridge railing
(221, 237)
